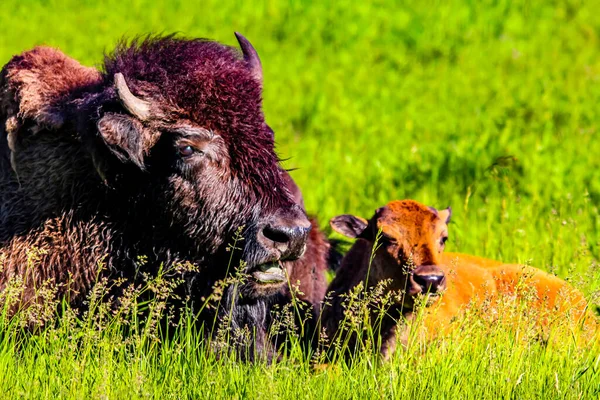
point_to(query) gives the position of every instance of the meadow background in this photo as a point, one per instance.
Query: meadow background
(491, 107)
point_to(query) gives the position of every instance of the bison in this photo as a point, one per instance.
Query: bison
(162, 153)
(409, 257)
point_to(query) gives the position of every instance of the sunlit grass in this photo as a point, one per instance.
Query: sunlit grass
(489, 107)
(124, 352)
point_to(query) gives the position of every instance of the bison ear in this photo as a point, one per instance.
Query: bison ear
(124, 137)
(446, 215)
(349, 225)
(37, 86)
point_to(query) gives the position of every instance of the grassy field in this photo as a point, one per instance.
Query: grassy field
(490, 107)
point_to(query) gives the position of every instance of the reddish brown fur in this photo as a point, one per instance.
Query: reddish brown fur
(308, 273)
(409, 228)
(472, 280)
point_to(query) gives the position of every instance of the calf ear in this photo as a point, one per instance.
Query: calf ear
(349, 225)
(446, 215)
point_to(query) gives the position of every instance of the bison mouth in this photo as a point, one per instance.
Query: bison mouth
(269, 273)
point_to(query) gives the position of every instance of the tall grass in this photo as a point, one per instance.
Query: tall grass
(490, 107)
(133, 349)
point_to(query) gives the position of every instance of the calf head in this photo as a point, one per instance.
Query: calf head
(408, 239)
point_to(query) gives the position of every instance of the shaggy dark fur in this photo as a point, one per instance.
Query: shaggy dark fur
(84, 179)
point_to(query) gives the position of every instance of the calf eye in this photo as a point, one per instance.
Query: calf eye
(444, 240)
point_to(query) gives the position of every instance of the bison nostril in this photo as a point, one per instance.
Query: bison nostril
(284, 234)
(277, 234)
(429, 283)
(289, 241)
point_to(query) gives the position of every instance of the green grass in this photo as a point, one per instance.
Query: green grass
(492, 108)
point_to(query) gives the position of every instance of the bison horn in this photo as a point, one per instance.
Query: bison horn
(137, 107)
(251, 57)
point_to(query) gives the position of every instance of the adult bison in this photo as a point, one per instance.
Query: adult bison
(409, 257)
(163, 153)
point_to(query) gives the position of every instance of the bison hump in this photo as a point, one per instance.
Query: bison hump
(36, 84)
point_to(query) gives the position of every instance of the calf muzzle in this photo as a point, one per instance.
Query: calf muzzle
(430, 278)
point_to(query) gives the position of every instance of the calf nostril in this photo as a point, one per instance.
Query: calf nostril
(276, 234)
(429, 283)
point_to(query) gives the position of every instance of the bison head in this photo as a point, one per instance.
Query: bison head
(177, 145)
(410, 237)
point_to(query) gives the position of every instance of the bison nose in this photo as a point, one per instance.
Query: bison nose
(430, 283)
(287, 234)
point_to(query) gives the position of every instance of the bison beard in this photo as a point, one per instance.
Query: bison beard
(163, 154)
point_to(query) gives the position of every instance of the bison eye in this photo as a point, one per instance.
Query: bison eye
(186, 151)
(444, 240)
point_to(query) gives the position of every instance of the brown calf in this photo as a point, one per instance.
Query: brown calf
(409, 257)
